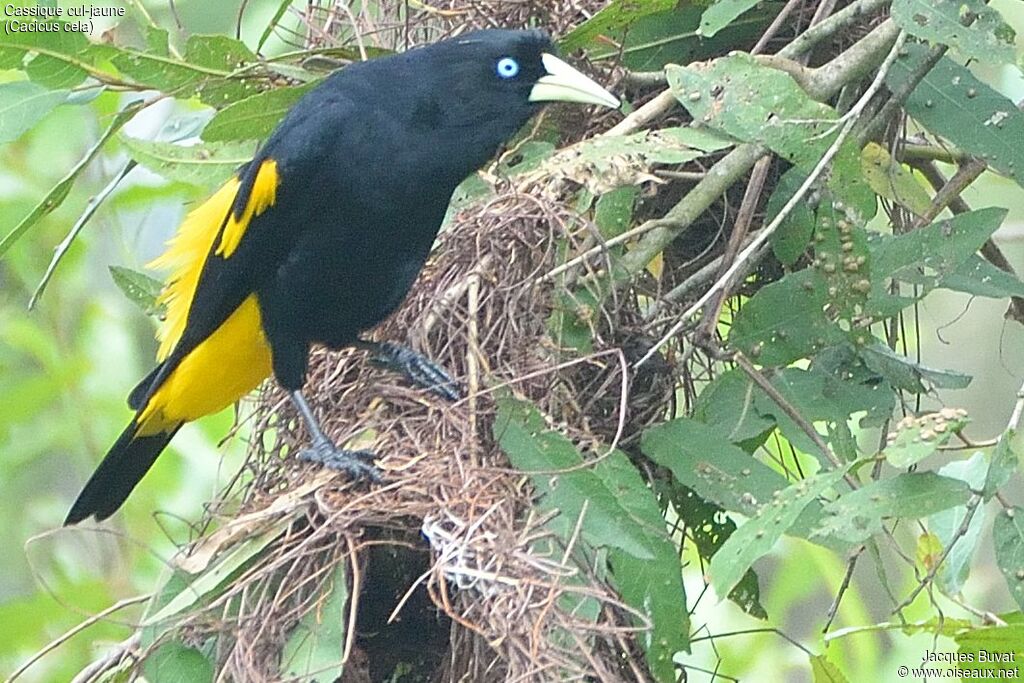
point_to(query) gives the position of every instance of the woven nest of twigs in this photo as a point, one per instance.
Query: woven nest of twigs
(451, 573)
(445, 552)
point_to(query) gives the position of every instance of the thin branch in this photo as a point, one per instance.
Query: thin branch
(972, 506)
(775, 395)
(68, 635)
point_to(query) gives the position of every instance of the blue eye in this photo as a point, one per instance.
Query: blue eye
(508, 67)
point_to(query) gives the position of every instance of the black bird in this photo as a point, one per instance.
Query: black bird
(322, 234)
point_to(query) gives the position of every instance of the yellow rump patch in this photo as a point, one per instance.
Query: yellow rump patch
(227, 365)
(187, 250)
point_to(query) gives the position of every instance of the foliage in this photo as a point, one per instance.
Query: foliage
(813, 427)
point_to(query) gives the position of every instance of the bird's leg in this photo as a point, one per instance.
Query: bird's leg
(357, 464)
(415, 367)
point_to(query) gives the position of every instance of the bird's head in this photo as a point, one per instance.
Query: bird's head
(487, 84)
(518, 68)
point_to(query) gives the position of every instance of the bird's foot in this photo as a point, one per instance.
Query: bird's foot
(417, 368)
(357, 464)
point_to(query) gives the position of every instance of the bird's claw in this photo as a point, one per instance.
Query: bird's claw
(418, 369)
(357, 464)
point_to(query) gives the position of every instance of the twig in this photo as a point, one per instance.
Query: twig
(775, 395)
(972, 506)
(751, 197)
(833, 610)
(68, 635)
(90, 209)
(773, 28)
(662, 102)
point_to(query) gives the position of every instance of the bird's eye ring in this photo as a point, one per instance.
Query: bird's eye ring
(507, 67)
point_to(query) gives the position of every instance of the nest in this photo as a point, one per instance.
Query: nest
(492, 583)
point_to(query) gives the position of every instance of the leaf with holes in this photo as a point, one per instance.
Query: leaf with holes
(927, 255)
(762, 531)
(1008, 536)
(755, 103)
(952, 103)
(579, 494)
(858, 515)
(253, 118)
(702, 459)
(139, 288)
(205, 165)
(605, 163)
(987, 37)
(786, 321)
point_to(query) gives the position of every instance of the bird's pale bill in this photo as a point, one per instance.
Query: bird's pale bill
(562, 83)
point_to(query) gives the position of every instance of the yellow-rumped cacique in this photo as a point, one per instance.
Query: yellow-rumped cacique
(321, 235)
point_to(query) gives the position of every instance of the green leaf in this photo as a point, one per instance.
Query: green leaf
(727, 404)
(60, 191)
(786, 321)
(652, 587)
(722, 13)
(54, 59)
(673, 36)
(253, 118)
(945, 525)
(824, 671)
(858, 515)
(903, 373)
(175, 662)
(994, 651)
(702, 459)
(917, 438)
(139, 288)
(1005, 461)
(762, 531)
(613, 16)
(843, 262)
(215, 68)
(892, 180)
(821, 398)
(987, 37)
(979, 277)
(205, 165)
(23, 104)
(316, 646)
(1008, 536)
(613, 211)
(605, 163)
(925, 256)
(791, 239)
(709, 527)
(952, 103)
(755, 103)
(520, 430)
(217, 576)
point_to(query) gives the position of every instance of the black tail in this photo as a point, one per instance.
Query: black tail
(125, 464)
